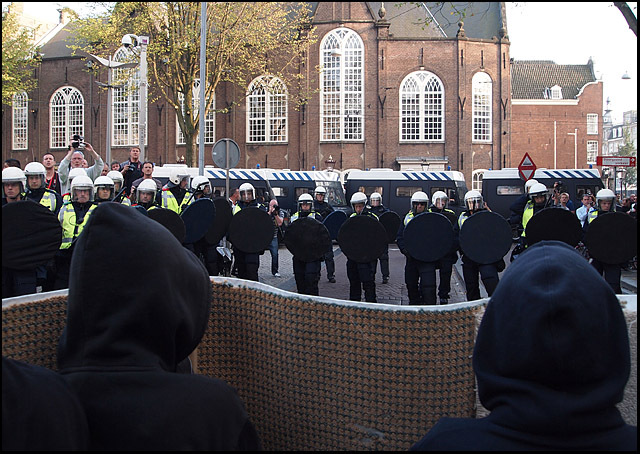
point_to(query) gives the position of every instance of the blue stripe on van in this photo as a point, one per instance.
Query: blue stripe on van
(277, 176)
(256, 175)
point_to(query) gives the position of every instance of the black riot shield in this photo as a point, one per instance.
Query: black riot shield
(554, 224)
(612, 238)
(428, 237)
(485, 237)
(251, 230)
(140, 209)
(31, 235)
(307, 239)
(197, 218)
(391, 223)
(333, 222)
(220, 225)
(171, 220)
(362, 238)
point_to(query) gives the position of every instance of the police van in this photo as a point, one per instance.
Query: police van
(288, 185)
(259, 178)
(500, 188)
(397, 186)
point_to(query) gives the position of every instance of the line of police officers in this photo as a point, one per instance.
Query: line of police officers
(74, 209)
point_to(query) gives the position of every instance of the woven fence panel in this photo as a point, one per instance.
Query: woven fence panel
(321, 376)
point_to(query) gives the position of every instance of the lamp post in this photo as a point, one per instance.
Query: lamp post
(140, 42)
(110, 66)
(575, 147)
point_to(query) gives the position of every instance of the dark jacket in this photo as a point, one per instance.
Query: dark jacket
(323, 208)
(551, 360)
(122, 343)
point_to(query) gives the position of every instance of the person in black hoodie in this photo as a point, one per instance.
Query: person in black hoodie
(551, 360)
(122, 344)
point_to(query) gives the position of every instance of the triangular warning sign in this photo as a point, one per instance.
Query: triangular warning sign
(526, 162)
(527, 174)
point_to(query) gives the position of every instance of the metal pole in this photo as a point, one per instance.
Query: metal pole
(142, 118)
(109, 107)
(575, 149)
(203, 82)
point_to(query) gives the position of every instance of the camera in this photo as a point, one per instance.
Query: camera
(132, 168)
(77, 142)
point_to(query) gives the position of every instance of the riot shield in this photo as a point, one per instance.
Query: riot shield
(428, 237)
(307, 239)
(485, 237)
(362, 238)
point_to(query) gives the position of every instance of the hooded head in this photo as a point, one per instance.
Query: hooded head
(552, 356)
(152, 319)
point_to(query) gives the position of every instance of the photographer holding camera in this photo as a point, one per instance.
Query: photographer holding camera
(277, 215)
(75, 158)
(558, 190)
(131, 169)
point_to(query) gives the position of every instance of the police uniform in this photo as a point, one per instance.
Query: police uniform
(324, 209)
(384, 258)
(172, 200)
(307, 274)
(46, 197)
(247, 263)
(445, 264)
(612, 272)
(362, 275)
(470, 269)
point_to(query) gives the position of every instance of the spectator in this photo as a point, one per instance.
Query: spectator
(105, 170)
(626, 205)
(120, 353)
(234, 196)
(585, 209)
(277, 216)
(147, 174)
(131, 169)
(551, 361)
(52, 179)
(564, 201)
(11, 162)
(115, 165)
(39, 411)
(75, 159)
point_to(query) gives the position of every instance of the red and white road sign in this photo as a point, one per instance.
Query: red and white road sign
(616, 161)
(527, 168)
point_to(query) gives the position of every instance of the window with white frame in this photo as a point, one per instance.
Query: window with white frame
(481, 107)
(342, 86)
(267, 110)
(66, 113)
(20, 121)
(421, 108)
(476, 179)
(592, 151)
(209, 120)
(592, 123)
(556, 92)
(125, 112)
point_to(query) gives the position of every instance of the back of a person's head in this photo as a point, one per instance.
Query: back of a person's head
(552, 352)
(157, 315)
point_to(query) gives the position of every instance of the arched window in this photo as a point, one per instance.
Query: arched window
(482, 118)
(67, 116)
(209, 121)
(421, 108)
(342, 86)
(126, 101)
(267, 110)
(20, 121)
(476, 179)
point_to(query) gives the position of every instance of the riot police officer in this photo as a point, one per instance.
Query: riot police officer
(36, 175)
(307, 274)
(439, 204)
(147, 195)
(538, 200)
(174, 193)
(361, 275)
(474, 203)
(324, 209)
(376, 207)
(104, 189)
(247, 263)
(118, 183)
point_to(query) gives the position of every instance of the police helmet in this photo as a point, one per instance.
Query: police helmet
(440, 200)
(104, 182)
(473, 200)
(528, 184)
(320, 190)
(35, 169)
(247, 192)
(14, 175)
(539, 189)
(304, 198)
(419, 197)
(177, 175)
(77, 171)
(81, 182)
(358, 197)
(377, 197)
(201, 183)
(146, 186)
(606, 195)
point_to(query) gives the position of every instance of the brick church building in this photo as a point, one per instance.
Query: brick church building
(393, 93)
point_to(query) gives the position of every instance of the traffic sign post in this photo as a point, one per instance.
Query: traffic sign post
(527, 168)
(616, 161)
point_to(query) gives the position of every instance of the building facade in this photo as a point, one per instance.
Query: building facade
(391, 93)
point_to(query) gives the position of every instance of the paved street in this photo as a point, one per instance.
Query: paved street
(395, 292)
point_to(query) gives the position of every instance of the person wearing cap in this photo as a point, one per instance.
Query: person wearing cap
(74, 159)
(324, 209)
(361, 275)
(551, 360)
(376, 207)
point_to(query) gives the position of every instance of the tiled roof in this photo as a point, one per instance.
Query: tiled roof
(529, 78)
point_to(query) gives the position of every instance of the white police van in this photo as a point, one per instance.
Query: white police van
(500, 188)
(397, 186)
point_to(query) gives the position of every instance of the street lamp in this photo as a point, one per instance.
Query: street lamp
(131, 41)
(110, 65)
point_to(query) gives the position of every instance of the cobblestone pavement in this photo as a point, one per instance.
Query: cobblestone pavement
(395, 291)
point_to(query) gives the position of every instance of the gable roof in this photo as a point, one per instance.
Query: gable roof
(530, 78)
